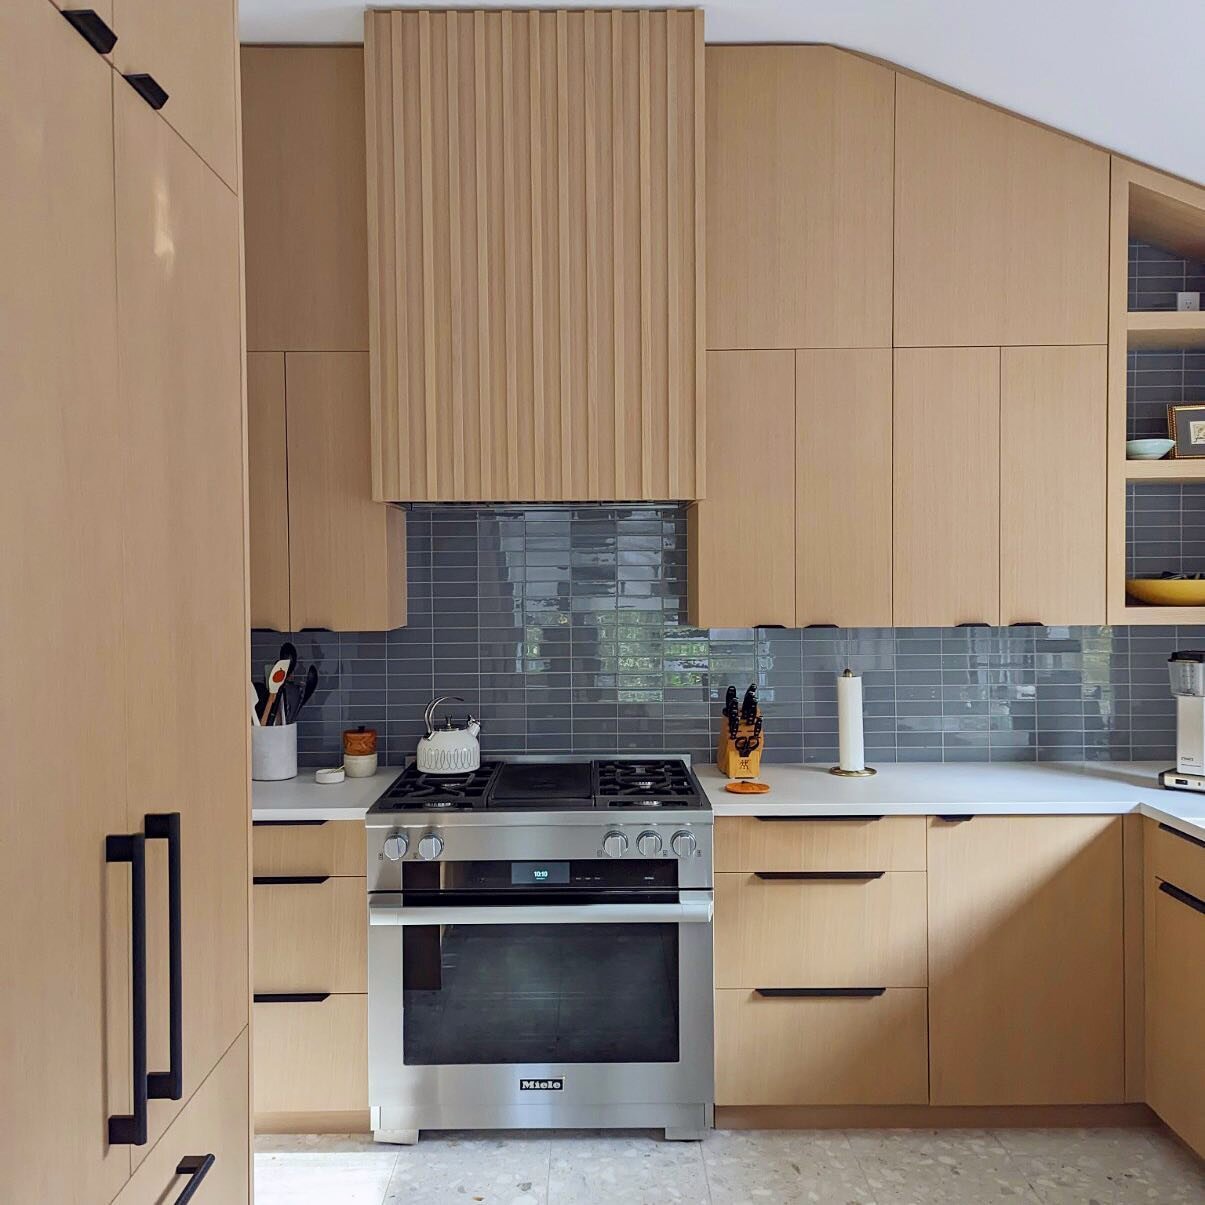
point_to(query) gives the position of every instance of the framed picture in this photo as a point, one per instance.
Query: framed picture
(1186, 425)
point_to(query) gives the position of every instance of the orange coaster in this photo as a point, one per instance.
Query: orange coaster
(747, 788)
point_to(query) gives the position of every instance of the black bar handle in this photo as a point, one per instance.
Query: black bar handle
(169, 1084)
(196, 1168)
(956, 817)
(809, 626)
(1027, 623)
(289, 997)
(1175, 832)
(1183, 897)
(91, 27)
(266, 880)
(852, 876)
(148, 87)
(797, 819)
(973, 623)
(130, 1129)
(803, 993)
(287, 823)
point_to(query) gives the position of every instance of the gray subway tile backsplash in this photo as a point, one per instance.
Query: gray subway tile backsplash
(604, 660)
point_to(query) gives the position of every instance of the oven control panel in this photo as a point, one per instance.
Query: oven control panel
(651, 843)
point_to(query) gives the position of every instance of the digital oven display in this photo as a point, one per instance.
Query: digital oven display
(536, 874)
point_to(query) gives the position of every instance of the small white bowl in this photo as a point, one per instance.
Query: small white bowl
(1148, 449)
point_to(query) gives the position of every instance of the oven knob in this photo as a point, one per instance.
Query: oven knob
(649, 844)
(396, 845)
(615, 844)
(683, 844)
(430, 846)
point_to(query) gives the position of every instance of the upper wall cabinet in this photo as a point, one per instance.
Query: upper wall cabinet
(799, 198)
(535, 258)
(1001, 227)
(303, 187)
(191, 51)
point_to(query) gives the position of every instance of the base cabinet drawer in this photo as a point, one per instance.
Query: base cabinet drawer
(820, 843)
(310, 936)
(809, 929)
(311, 1056)
(1175, 1007)
(213, 1123)
(334, 847)
(827, 1050)
(1176, 858)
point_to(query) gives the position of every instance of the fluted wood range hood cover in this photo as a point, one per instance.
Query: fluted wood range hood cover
(535, 196)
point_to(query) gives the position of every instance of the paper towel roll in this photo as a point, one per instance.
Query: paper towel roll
(851, 746)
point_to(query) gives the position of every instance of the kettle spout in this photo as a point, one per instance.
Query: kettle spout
(474, 726)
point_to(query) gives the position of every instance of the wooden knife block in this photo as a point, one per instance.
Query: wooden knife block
(729, 761)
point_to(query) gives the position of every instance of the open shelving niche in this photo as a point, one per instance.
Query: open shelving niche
(1169, 214)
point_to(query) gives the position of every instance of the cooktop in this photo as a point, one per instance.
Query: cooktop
(605, 783)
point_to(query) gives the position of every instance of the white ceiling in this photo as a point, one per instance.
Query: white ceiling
(1124, 73)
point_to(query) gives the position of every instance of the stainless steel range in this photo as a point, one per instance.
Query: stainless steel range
(540, 948)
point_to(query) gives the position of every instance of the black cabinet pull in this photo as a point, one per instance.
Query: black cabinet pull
(804, 993)
(956, 817)
(851, 876)
(1183, 897)
(1027, 623)
(1175, 832)
(266, 880)
(169, 1084)
(973, 623)
(89, 25)
(809, 626)
(148, 88)
(130, 1129)
(196, 1168)
(809, 819)
(287, 823)
(290, 997)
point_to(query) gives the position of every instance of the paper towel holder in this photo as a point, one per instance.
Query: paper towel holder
(866, 771)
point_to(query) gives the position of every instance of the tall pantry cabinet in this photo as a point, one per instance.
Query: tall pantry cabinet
(124, 610)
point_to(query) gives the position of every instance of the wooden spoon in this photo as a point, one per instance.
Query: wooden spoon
(276, 679)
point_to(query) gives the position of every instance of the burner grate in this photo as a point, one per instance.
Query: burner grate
(439, 792)
(657, 782)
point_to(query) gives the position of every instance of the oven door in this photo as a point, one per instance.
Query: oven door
(581, 997)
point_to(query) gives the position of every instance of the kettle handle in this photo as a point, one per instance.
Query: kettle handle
(429, 714)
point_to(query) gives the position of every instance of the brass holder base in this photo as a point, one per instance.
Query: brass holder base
(853, 773)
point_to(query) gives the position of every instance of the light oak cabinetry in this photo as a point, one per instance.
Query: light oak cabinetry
(304, 188)
(268, 491)
(843, 473)
(191, 50)
(310, 977)
(741, 539)
(123, 520)
(946, 520)
(799, 198)
(1001, 227)
(1025, 961)
(1175, 981)
(535, 202)
(1052, 484)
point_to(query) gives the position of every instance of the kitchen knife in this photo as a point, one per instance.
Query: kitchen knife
(749, 704)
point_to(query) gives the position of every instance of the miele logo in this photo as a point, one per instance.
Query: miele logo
(542, 1085)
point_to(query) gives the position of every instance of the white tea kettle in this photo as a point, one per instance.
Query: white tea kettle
(448, 750)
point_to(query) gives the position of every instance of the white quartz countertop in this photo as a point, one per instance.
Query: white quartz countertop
(302, 798)
(964, 788)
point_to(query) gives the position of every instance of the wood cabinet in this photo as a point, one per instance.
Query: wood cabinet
(799, 198)
(821, 1050)
(64, 1001)
(535, 192)
(304, 197)
(843, 466)
(180, 373)
(1053, 413)
(330, 847)
(268, 492)
(1025, 961)
(1001, 226)
(819, 844)
(1175, 982)
(946, 487)
(192, 52)
(741, 539)
(347, 554)
(214, 1122)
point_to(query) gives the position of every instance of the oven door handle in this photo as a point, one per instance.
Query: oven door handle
(692, 907)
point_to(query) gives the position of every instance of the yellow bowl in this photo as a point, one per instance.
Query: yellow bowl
(1167, 592)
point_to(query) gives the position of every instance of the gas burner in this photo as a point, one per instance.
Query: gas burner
(415, 791)
(646, 783)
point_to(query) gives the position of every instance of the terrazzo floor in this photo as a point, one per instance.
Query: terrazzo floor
(825, 1167)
